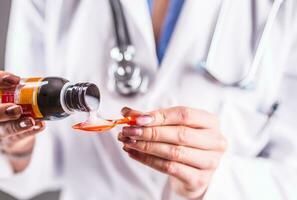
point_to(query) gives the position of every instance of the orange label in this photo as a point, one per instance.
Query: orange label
(27, 94)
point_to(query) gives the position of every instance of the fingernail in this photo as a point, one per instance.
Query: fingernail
(13, 110)
(11, 79)
(144, 120)
(126, 149)
(130, 131)
(131, 141)
(120, 137)
(37, 126)
(27, 123)
(125, 110)
(128, 140)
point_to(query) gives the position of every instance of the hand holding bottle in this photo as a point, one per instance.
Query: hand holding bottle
(16, 132)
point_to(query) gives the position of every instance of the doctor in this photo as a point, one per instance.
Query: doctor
(205, 61)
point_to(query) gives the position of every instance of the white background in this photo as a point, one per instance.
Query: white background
(4, 15)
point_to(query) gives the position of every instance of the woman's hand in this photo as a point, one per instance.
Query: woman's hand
(16, 133)
(182, 142)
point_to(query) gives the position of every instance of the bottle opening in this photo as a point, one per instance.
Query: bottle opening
(92, 98)
(84, 97)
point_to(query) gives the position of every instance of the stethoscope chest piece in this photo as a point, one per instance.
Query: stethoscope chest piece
(128, 79)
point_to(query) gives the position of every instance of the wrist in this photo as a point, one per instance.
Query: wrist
(182, 191)
(19, 155)
(16, 156)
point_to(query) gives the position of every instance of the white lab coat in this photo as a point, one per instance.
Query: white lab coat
(72, 39)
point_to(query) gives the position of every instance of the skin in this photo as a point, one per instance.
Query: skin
(158, 16)
(182, 142)
(17, 134)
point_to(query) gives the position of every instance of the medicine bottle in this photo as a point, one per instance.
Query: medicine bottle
(50, 98)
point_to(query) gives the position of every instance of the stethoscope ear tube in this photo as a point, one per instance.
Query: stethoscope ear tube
(127, 77)
(120, 25)
(247, 81)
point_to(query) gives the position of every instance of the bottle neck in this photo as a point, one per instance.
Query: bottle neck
(81, 97)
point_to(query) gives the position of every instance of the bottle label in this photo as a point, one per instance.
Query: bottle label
(7, 96)
(25, 95)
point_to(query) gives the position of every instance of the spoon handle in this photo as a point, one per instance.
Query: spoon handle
(126, 120)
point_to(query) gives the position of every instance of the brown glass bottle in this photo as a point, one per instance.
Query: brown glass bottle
(50, 98)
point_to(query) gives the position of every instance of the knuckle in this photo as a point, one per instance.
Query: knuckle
(154, 132)
(26, 134)
(6, 143)
(183, 114)
(11, 128)
(222, 143)
(182, 135)
(146, 146)
(22, 136)
(191, 184)
(170, 167)
(14, 138)
(149, 160)
(163, 117)
(176, 153)
(212, 163)
(199, 182)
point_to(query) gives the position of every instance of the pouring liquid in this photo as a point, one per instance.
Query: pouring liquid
(96, 124)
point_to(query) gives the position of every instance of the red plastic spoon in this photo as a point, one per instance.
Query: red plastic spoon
(85, 126)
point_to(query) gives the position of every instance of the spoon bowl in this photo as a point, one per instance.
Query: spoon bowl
(90, 127)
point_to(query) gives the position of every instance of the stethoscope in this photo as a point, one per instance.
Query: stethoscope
(129, 79)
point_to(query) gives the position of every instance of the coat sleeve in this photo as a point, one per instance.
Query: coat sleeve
(25, 50)
(273, 174)
(25, 57)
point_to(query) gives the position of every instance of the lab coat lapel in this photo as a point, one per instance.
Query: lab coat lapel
(138, 11)
(195, 23)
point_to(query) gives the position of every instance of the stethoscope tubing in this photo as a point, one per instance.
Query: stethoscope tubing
(120, 25)
(248, 79)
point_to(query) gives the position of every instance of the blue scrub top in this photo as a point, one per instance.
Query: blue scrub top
(174, 9)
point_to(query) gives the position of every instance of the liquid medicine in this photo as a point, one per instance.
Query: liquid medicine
(101, 125)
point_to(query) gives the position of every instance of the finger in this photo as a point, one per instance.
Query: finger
(37, 128)
(9, 112)
(8, 80)
(11, 140)
(193, 157)
(15, 127)
(205, 139)
(125, 139)
(178, 116)
(126, 111)
(192, 178)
